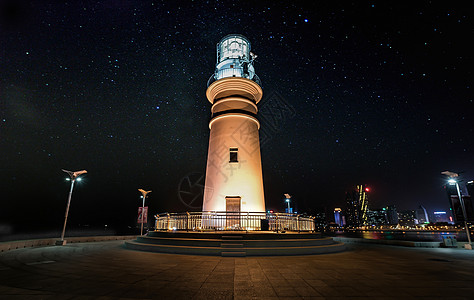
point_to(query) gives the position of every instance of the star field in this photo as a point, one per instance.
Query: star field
(382, 95)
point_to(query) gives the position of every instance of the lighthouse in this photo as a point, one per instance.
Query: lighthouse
(234, 181)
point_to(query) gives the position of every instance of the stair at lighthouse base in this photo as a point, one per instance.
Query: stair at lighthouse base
(235, 244)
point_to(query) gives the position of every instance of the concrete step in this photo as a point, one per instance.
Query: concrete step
(263, 251)
(233, 254)
(200, 242)
(229, 245)
(173, 249)
(260, 235)
(197, 242)
(232, 237)
(235, 244)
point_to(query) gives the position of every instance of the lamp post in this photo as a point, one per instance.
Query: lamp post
(144, 194)
(287, 200)
(73, 177)
(453, 181)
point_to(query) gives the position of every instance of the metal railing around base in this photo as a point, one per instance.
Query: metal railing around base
(212, 220)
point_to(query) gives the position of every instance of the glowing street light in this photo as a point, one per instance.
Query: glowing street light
(144, 194)
(73, 176)
(453, 181)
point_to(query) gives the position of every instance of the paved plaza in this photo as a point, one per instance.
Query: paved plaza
(106, 270)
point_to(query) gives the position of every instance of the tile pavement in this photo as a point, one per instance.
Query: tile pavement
(106, 270)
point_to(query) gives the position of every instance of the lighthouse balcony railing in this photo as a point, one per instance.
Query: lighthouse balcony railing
(212, 220)
(233, 72)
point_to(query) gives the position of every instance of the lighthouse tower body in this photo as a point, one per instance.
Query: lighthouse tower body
(234, 180)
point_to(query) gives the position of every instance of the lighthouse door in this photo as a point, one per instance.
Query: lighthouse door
(232, 207)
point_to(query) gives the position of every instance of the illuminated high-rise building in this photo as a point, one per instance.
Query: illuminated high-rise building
(391, 215)
(407, 218)
(456, 206)
(470, 188)
(338, 217)
(376, 217)
(234, 181)
(356, 204)
(440, 216)
(422, 215)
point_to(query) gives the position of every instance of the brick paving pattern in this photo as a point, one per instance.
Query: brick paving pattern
(106, 270)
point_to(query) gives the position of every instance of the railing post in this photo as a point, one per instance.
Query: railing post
(298, 222)
(247, 223)
(187, 221)
(276, 222)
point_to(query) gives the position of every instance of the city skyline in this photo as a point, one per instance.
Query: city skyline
(353, 93)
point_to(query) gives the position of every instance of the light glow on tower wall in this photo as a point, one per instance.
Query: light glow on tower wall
(234, 179)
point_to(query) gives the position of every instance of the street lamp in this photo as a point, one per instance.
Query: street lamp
(73, 176)
(144, 193)
(453, 181)
(287, 200)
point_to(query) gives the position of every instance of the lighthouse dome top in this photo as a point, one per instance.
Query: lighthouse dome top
(233, 46)
(234, 59)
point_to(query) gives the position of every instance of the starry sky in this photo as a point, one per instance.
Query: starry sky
(379, 93)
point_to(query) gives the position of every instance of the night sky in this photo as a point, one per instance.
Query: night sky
(376, 92)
